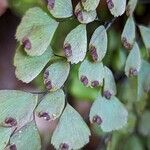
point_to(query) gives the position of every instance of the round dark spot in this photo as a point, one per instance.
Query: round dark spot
(26, 43)
(84, 80)
(133, 72)
(107, 94)
(46, 74)
(97, 119)
(95, 84)
(79, 15)
(48, 84)
(10, 122)
(67, 50)
(110, 4)
(126, 44)
(44, 115)
(13, 147)
(64, 146)
(50, 4)
(93, 53)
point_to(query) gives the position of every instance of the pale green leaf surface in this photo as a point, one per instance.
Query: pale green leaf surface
(28, 67)
(57, 74)
(4, 137)
(18, 105)
(39, 28)
(144, 79)
(53, 104)
(117, 7)
(128, 34)
(93, 71)
(62, 9)
(145, 32)
(99, 41)
(144, 124)
(90, 4)
(77, 89)
(27, 138)
(84, 16)
(77, 39)
(112, 113)
(133, 60)
(71, 130)
(109, 82)
(131, 7)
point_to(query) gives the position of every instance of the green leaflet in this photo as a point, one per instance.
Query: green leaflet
(71, 132)
(145, 33)
(116, 7)
(133, 62)
(144, 124)
(109, 82)
(75, 44)
(91, 74)
(131, 7)
(17, 105)
(128, 34)
(77, 89)
(51, 105)
(144, 79)
(98, 44)
(60, 8)
(84, 16)
(27, 138)
(28, 67)
(35, 31)
(4, 137)
(109, 114)
(56, 75)
(90, 4)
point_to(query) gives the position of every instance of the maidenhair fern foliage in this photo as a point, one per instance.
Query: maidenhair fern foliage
(35, 54)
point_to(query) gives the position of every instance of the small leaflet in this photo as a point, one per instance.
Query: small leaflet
(145, 33)
(75, 44)
(108, 114)
(98, 44)
(116, 7)
(35, 31)
(71, 131)
(60, 8)
(91, 73)
(56, 75)
(133, 62)
(51, 105)
(128, 34)
(84, 16)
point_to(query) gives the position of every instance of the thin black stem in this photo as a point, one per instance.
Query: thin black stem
(108, 24)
